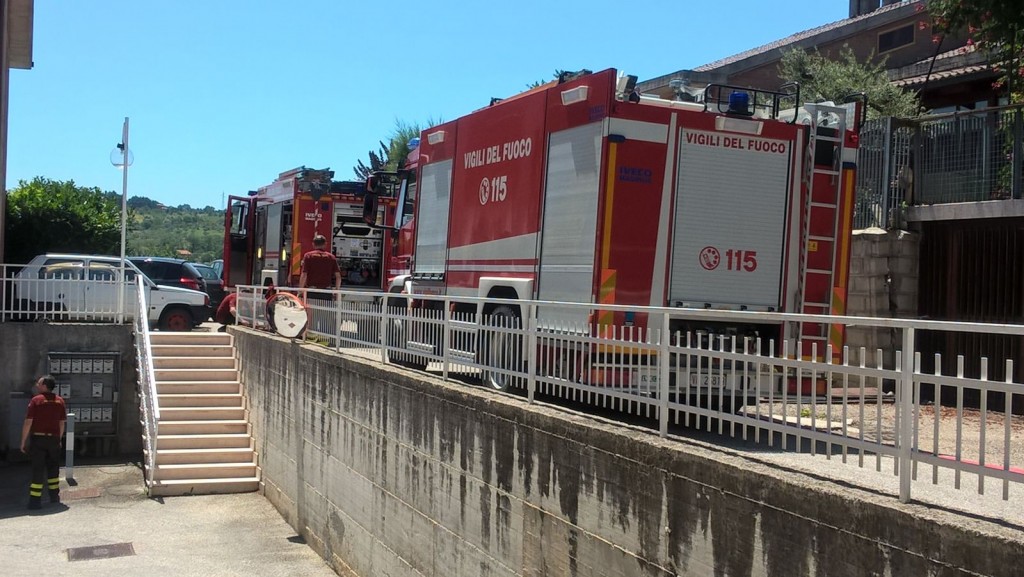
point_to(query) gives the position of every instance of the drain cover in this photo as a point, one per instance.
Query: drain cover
(101, 552)
(86, 493)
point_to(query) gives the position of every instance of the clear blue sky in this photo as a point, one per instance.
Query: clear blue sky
(224, 95)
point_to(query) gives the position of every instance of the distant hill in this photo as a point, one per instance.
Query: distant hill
(160, 230)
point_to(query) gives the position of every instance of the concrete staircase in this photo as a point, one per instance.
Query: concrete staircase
(204, 445)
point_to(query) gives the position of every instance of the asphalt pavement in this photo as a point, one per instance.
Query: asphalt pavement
(107, 525)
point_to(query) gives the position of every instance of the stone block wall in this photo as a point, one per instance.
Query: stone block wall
(883, 283)
(390, 472)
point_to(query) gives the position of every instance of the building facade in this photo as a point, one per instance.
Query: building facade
(15, 52)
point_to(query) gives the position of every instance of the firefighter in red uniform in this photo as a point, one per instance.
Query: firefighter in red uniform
(320, 271)
(44, 425)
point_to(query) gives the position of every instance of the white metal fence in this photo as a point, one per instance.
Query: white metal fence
(684, 367)
(64, 293)
(149, 401)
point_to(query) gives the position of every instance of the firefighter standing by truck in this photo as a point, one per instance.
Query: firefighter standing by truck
(320, 271)
(44, 426)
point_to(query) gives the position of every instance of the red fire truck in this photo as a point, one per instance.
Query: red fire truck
(585, 191)
(268, 231)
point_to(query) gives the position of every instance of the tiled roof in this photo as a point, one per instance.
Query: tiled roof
(801, 36)
(958, 62)
(940, 75)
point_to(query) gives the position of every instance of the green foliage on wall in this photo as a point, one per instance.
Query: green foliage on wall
(59, 216)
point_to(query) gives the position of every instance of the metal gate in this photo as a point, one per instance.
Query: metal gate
(973, 271)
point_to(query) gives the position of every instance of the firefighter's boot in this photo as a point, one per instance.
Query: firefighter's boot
(35, 496)
(54, 486)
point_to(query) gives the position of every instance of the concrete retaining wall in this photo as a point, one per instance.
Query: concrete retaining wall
(883, 283)
(387, 472)
(25, 346)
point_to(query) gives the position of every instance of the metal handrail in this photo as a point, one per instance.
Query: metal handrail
(148, 399)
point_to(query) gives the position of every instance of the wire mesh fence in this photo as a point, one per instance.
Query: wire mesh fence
(961, 157)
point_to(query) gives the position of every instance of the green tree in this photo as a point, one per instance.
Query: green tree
(378, 161)
(537, 83)
(59, 216)
(163, 230)
(391, 156)
(997, 26)
(834, 79)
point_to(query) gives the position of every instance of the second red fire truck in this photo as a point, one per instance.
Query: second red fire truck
(268, 231)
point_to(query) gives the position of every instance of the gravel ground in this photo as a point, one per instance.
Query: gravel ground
(877, 422)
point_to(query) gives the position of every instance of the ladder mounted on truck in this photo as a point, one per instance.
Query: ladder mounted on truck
(823, 167)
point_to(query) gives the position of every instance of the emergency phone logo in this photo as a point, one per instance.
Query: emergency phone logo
(493, 189)
(485, 191)
(709, 258)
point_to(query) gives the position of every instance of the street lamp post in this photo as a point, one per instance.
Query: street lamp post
(122, 158)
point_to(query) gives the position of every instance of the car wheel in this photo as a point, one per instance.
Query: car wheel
(176, 319)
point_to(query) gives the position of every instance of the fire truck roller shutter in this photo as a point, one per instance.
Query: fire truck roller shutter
(570, 222)
(432, 234)
(730, 220)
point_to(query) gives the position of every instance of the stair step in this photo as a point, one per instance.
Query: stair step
(205, 471)
(197, 387)
(201, 400)
(194, 363)
(201, 413)
(198, 350)
(224, 426)
(204, 441)
(191, 338)
(181, 487)
(214, 455)
(196, 375)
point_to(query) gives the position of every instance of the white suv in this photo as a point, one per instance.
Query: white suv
(84, 287)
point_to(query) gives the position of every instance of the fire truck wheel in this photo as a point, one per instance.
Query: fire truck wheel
(502, 350)
(396, 335)
(176, 319)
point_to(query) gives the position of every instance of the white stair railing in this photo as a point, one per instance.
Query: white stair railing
(148, 402)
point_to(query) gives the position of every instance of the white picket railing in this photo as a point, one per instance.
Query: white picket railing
(149, 402)
(64, 295)
(867, 406)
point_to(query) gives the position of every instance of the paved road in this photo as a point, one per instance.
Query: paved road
(216, 535)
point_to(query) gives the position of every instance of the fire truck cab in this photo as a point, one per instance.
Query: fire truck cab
(268, 231)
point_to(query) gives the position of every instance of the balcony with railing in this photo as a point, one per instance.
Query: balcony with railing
(908, 165)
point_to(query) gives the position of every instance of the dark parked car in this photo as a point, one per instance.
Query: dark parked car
(172, 272)
(214, 284)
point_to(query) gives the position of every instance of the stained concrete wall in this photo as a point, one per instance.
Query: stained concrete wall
(25, 346)
(883, 283)
(387, 472)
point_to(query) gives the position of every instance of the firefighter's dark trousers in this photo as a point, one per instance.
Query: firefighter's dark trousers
(45, 453)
